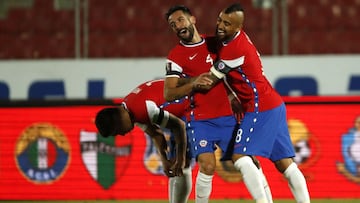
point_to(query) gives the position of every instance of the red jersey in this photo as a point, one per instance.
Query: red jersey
(145, 101)
(248, 81)
(190, 61)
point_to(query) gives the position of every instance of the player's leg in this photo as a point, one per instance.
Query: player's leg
(295, 178)
(202, 141)
(254, 137)
(264, 180)
(282, 157)
(252, 177)
(180, 187)
(203, 186)
(266, 187)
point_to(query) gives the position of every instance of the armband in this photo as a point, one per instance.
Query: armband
(220, 69)
(223, 67)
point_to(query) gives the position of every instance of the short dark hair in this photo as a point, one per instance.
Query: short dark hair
(177, 8)
(234, 8)
(105, 121)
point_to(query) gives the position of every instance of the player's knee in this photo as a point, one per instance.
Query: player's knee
(256, 162)
(235, 157)
(207, 168)
(282, 164)
(207, 163)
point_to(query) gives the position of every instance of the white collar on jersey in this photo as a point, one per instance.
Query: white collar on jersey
(193, 45)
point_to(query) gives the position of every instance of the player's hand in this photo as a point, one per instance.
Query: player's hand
(177, 168)
(202, 82)
(237, 108)
(167, 168)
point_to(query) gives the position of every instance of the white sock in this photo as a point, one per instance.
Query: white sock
(297, 183)
(266, 187)
(180, 187)
(252, 178)
(203, 187)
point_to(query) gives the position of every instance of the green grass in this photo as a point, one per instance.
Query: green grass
(212, 201)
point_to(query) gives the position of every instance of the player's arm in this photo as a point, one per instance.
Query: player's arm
(164, 119)
(176, 88)
(218, 71)
(223, 67)
(184, 81)
(157, 135)
(177, 127)
(235, 105)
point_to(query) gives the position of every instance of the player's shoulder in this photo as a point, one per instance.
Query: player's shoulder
(244, 37)
(178, 54)
(176, 49)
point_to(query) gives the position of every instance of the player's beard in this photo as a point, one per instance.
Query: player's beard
(223, 36)
(190, 30)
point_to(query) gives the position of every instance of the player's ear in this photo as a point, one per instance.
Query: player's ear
(193, 19)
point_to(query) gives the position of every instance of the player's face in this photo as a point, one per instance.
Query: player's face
(182, 25)
(226, 26)
(123, 123)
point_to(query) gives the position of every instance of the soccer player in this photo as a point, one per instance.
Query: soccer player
(210, 120)
(145, 107)
(263, 130)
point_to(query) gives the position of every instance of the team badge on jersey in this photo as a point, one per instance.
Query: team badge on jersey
(42, 153)
(203, 143)
(350, 145)
(105, 158)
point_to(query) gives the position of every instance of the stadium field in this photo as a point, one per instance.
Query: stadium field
(213, 201)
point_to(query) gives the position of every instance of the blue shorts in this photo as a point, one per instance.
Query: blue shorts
(205, 135)
(265, 134)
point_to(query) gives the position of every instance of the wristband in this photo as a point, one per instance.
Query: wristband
(216, 73)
